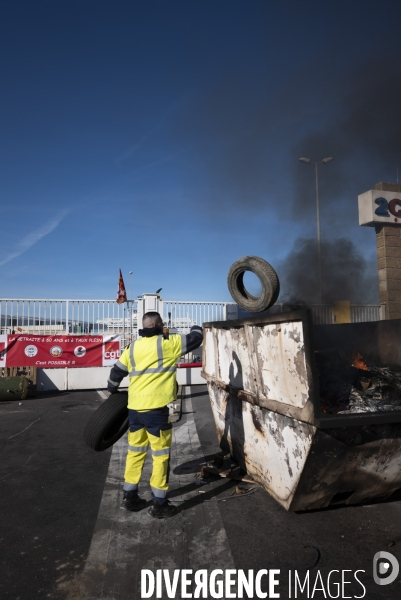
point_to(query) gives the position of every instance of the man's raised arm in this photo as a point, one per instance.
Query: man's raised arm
(192, 340)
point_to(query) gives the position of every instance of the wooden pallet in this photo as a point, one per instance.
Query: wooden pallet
(28, 377)
(29, 372)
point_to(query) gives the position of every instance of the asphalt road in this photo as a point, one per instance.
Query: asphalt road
(52, 484)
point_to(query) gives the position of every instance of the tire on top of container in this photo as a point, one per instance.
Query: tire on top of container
(268, 279)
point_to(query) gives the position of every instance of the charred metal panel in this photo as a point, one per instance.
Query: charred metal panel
(378, 342)
(267, 361)
(280, 354)
(270, 447)
(353, 464)
(302, 467)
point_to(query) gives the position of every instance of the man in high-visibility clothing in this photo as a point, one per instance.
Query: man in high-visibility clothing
(150, 363)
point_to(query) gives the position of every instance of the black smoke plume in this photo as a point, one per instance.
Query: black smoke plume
(346, 275)
(249, 137)
(363, 135)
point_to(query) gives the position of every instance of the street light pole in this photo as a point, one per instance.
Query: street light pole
(132, 306)
(319, 248)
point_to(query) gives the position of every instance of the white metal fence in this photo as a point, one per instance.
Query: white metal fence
(69, 316)
(100, 317)
(368, 312)
(97, 317)
(323, 314)
(178, 313)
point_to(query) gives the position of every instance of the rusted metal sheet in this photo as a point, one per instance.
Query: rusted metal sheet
(264, 394)
(279, 351)
(271, 447)
(266, 362)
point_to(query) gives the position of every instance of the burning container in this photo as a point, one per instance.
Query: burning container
(278, 387)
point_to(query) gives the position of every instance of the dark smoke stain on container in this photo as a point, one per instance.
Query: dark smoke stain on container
(299, 363)
(294, 335)
(256, 421)
(275, 430)
(287, 460)
(297, 451)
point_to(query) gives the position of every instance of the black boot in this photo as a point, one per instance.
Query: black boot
(162, 511)
(133, 502)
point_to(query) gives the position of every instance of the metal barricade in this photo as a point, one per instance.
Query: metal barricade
(68, 317)
(182, 315)
(102, 317)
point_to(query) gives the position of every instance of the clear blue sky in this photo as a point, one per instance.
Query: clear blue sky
(164, 137)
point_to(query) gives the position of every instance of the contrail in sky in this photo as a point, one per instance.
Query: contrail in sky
(162, 121)
(163, 160)
(29, 240)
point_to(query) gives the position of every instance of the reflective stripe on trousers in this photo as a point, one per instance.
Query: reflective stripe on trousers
(138, 442)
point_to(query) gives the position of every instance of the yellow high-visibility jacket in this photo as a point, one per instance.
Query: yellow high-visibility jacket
(150, 363)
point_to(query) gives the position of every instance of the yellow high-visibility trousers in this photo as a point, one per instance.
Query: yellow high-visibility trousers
(138, 443)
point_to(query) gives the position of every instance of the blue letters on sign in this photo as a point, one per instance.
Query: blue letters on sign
(382, 209)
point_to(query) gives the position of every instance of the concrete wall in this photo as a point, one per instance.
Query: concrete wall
(49, 380)
(190, 376)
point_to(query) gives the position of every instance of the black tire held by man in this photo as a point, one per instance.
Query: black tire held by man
(108, 423)
(267, 276)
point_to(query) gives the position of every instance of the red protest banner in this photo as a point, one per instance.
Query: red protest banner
(111, 352)
(44, 351)
(3, 343)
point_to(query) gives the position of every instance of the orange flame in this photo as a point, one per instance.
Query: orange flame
(358, 362)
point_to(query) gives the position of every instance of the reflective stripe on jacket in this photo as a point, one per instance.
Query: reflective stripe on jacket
(150, 364)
